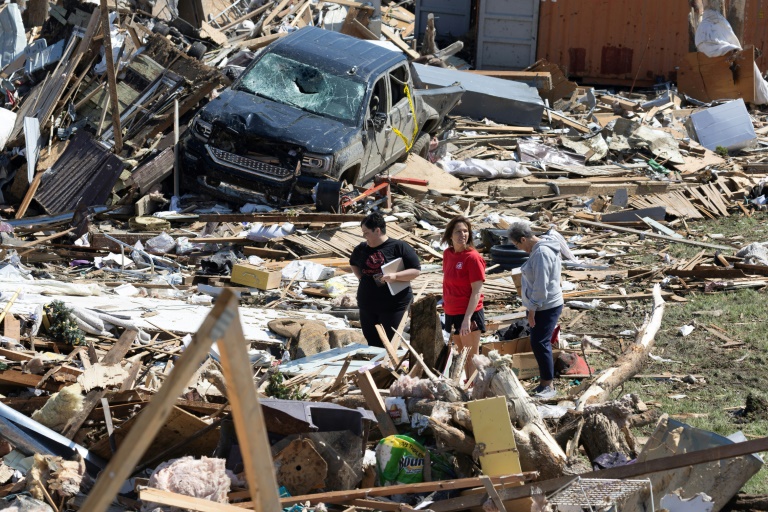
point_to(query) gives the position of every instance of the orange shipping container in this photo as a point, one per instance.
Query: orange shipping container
(615, 42)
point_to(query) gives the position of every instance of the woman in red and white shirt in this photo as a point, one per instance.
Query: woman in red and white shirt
(463, 277)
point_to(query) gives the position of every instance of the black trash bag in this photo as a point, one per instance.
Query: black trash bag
(220, 264)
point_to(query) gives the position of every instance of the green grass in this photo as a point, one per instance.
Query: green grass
(727, 376)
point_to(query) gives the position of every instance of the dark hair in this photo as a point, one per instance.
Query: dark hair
(448, 233)
(373, 221)
(519, 230)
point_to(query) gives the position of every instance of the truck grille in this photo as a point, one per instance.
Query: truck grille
(250, 166)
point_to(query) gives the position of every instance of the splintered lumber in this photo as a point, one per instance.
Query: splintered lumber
(391, 490)
(651, 235)
(616, 473)
(29, 195)
(94, 396)
(248, 417)
(222, 325)
(181, 501)
(632, 361)
(375, 403)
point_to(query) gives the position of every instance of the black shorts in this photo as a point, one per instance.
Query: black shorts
(453, 322)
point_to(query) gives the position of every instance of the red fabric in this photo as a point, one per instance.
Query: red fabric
(460, 270)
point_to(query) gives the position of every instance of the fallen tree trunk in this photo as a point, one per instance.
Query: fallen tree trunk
(458, 414)
(631, 362)
(537, 448)
(454, 438)
(749, 502)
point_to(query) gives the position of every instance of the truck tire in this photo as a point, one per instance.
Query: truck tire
(161, 28)
(421, 146)
(508, 256)
(507, 251)
(197, 51)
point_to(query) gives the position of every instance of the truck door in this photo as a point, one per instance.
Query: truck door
(378, 130)
(402, 116)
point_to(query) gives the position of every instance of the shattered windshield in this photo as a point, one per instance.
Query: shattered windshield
(297, 84)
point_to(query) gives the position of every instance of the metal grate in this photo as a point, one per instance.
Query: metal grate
(249, 165)
(589, 492)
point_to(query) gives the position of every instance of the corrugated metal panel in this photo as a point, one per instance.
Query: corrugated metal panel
(451, 18)
(85, 172)
(12, 38)
(612, 41)
(506, 34)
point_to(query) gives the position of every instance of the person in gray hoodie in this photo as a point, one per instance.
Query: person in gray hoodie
(542, 297)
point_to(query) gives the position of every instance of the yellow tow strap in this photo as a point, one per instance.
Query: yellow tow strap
(408, 145)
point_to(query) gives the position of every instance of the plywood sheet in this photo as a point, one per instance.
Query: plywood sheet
(718, 78)
(180, 425)
(492, 426)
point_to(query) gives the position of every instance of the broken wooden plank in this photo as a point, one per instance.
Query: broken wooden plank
(375, 403)
(618, 472)
(93, 397)
(263, 252)
(651, 235)
(183, 502)
(423, 487)
(215, 326)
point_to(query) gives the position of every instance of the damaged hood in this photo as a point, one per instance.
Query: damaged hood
(254, 116)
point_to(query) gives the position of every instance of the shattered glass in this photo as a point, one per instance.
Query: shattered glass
(303, 86)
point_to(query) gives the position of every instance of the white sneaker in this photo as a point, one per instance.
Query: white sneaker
(545, 392)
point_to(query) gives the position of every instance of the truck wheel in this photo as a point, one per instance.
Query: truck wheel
(197, 51)
(161, 28)
(421, 146)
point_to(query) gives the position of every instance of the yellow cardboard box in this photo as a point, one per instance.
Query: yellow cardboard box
(255, 277)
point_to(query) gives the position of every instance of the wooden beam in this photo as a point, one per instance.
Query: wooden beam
(248, 16)
(248, 417)
(567, 122)
(375, 403)
(153, 417)
(263, 252)
(151, 495)
(391, 352)
(395, 38)
(260, 42)
(29, 195)
(440, 485)
(282, 5)
(111, 80)
(651, 235)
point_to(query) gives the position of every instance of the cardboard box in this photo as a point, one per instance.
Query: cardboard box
(507, 347)
(523, 361)
(255, 277)
(525, 366)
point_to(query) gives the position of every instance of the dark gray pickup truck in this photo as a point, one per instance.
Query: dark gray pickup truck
(313, 106)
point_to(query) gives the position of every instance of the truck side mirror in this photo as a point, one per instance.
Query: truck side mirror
(379, 120)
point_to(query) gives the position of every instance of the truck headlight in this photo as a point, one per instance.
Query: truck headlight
(202, 129)
(316, 164)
